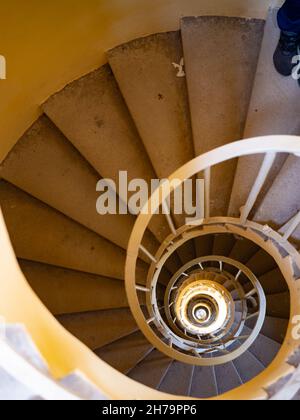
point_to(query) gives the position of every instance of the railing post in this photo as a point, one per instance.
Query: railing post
(258, 185)
(148, 254)
(292, 226)
(167, 213)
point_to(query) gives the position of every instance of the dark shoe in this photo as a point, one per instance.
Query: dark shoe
(287, 49)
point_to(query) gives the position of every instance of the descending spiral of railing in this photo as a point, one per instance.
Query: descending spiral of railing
(199, 314)
(186, 306)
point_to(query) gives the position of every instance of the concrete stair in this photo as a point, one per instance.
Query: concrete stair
(158, 102)
(231, 47)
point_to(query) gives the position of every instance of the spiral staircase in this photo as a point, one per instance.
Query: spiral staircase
(201, 310)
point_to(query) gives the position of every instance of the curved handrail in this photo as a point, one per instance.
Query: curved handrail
(54, 342)
(269, 145)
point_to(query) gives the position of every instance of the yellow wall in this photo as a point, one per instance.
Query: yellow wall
(52, 42)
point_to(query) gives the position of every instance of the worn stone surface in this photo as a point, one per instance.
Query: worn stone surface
(248, 366)
(47, 166)
(273, 282)
(66, 291)
(40, 233)
(172, 385)
(281, 202)
(203, 383)
(273, 328)
(261, 263)
(99, 328)
(223, 244)
(126, 353)
(227, 378)
(243, 250)
(221, 56)
(157, 100)
(151, 370)
(92, 114)
(274, 109)
(278, 305)
(156, 97)
(264, 349)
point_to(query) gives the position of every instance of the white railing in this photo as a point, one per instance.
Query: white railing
(18, 303)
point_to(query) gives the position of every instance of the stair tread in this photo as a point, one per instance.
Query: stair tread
(92, 114)
(278, 305)
(45, 164)
(223, 244)
(225, 97)
(274, 109)
(264, 349)
(99, 328)
(40, 233)
(281, 201)
(204, 245)
(227, 378)
(261, 263)
(156, 98)
(125, 353)
(66, 291)
(171, 383)
(273, 282)
(273, 328)
(158, 102)
(243, 250)
(248, 366)
(151, 370)
(203, 383)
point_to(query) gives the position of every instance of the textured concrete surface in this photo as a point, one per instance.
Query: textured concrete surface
(156, 97)
(281, 202)
(243, 250)
(273, 282)
(264, 349)
(227, 378)
(92, 114)
(278, 305)
(47, 166)
(261, 263)
(97, 329)
(203, 383)
(66, 291)
(151, 370)
(39, 233)
(248, 366)
(274, 328)
(223, 244)
(158, 102)
(221, 56)
(126, 353)
(204, 245)
(274, 109)
(172, 385)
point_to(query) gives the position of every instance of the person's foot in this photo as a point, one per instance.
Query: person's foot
(285, 52)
